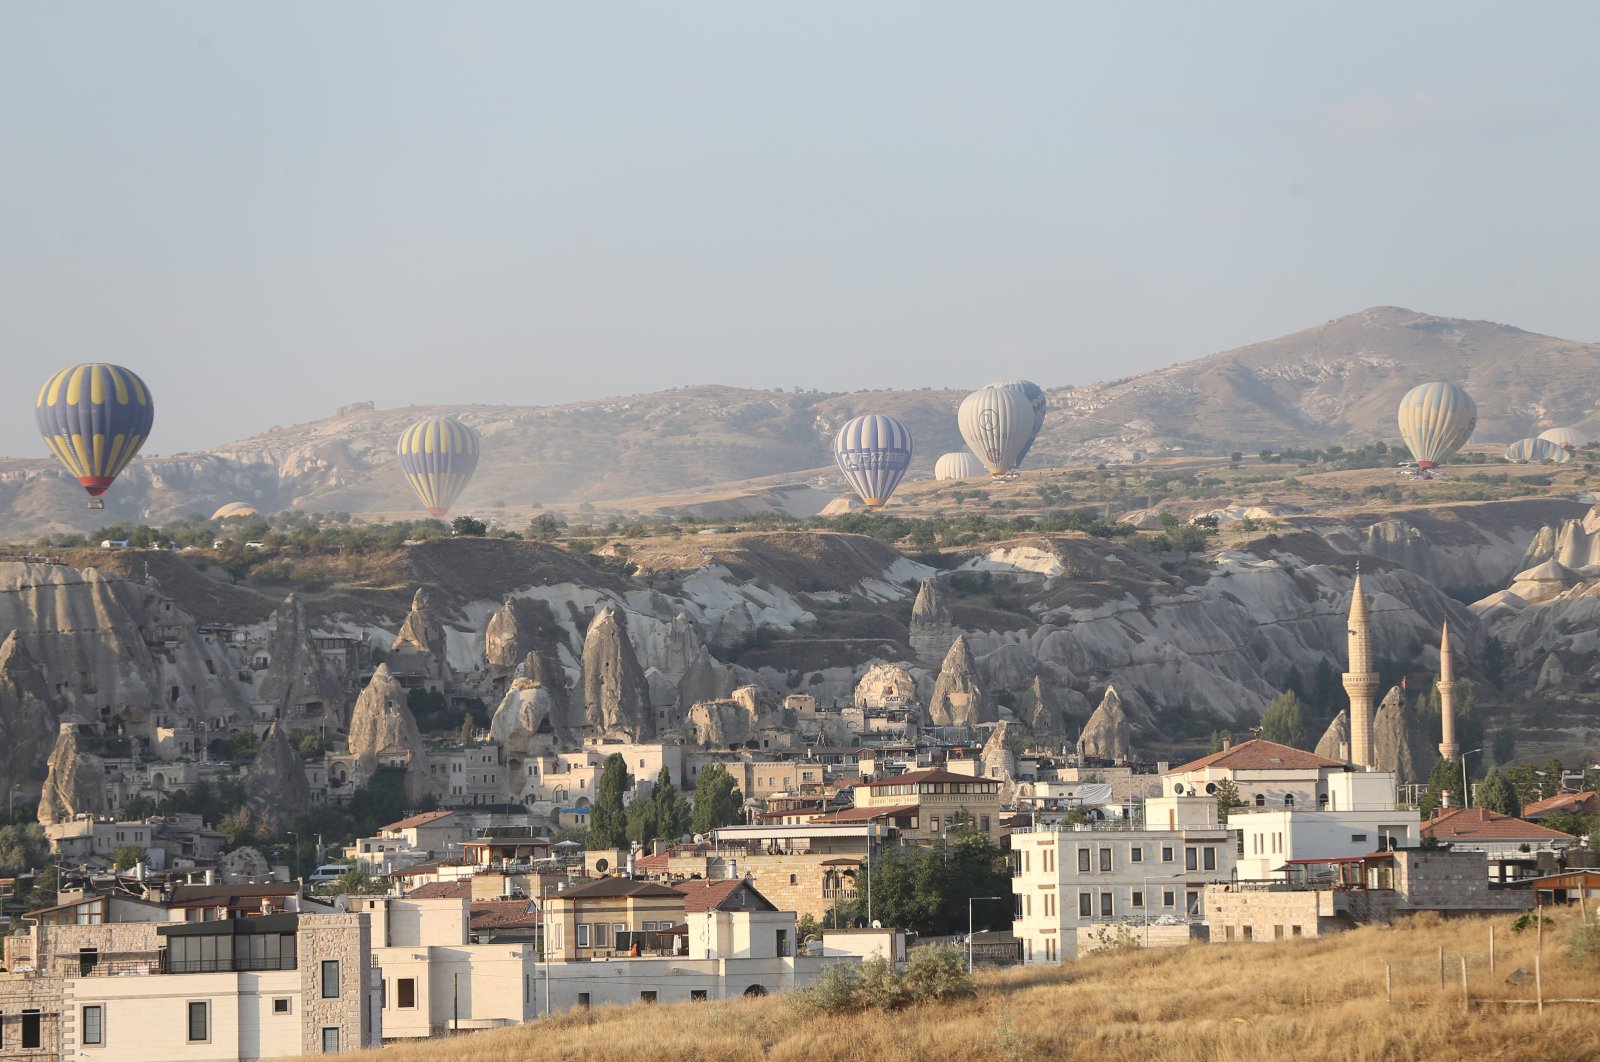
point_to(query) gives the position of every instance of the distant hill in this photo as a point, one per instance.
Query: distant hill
(1336, 382)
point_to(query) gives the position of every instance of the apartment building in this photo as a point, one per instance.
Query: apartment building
(1355, 813)
(1074, 881)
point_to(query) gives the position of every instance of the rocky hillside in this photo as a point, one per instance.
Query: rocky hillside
(1336, 382)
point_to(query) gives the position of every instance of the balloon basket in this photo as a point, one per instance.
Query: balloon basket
(96, 503)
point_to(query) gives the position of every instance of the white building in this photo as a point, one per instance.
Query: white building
(1073, 881)
(1360, 816)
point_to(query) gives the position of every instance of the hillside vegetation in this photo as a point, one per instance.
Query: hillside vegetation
(1311, 998)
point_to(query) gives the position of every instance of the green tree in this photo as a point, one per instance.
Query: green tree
(608, 821)
(672, 814)
(22, 847)
(1227, 799)
(128, 856)
(641, 816)
(1550, 783)
(1284, 721)
(1445, 777)
(1497, 794)
(545, 527)
(717, 800)
(926, 888)
(1526, 781)
(1505, 745)
(468, 527)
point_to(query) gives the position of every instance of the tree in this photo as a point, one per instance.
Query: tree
(545, 527)
(672, 815)
(717, 800)
(1227, 799)
(926, 888)
(1505, 745)
(1550, 784)
(467, 526)
(128, 856)
(1284, 721)
(1445, 777)
(468, 727)
(641, 820)
(22, 847)
(1526, 782)
(1497, 794)
(608, 822)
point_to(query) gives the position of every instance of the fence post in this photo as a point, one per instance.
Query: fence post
(1441, 967)
(1491, 949)
(1538, 980)
(1466, 1000)
(1388, 983)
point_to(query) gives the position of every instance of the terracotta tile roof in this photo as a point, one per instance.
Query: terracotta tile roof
(216, 895)
(866, 814)
(611, 887)
(416, 820)
(435, 890)
(1258, 754)
(721, 894)
(931, 776)
(1582, 803)
(417, 870)
(1481, 824)
(504, 914)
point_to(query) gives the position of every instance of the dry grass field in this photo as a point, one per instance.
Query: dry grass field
(1303, 999)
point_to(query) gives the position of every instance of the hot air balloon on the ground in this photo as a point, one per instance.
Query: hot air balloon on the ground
(958, 465)
(95, 416)
(1435, 420)
(873, 452)
(438, 455)
(1541, 449)
(1571, 438)
(997, 423)
(234, 511)
(1035, 396)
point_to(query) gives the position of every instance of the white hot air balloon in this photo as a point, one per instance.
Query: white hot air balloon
(1035, 396)
(958, 464)
(873, 452)
(1567, 438)
(1435, 420)
(997, 423)
(1540, 449)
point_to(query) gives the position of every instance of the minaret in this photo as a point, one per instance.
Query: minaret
(1360, 682)
(1447, 698)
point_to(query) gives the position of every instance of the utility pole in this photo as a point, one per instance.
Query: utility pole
(455, 1004)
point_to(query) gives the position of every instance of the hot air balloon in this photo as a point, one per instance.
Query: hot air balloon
(1570, 438)
(873, 452)
(438, 455)
(1435, 420)
(997, 423)
(1540, 449)
(1035, 396)
(235, 510)
(95, 416)
(958, 465)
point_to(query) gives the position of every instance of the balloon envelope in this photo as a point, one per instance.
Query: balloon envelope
(1435, 420)
(873, 452)
(438, 456)
(1571, 438)
(1035, 396)
(94, 416)
(234, 511)
(997, 423)
(958, 464)
(1540, 449)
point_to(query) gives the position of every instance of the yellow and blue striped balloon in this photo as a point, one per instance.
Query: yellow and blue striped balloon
(438, 455)
(94, 416)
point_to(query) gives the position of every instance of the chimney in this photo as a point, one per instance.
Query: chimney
(1444, 799)
(1227, 742)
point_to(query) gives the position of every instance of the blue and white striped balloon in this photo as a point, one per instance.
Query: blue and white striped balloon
(873, 452)
(1435, 420)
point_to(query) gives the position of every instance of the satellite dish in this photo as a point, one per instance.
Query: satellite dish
(1211, 787)
(877, 924)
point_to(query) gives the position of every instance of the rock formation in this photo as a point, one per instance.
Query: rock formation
(1398, 541)
(298, 680)
(886, 686)
(704, 679)
(1107, 735)
(28, 724)
(1551, 674)
(958, 699)
(999, 762)
(382, 723)
(931, 627)
(739, 719)
(616, 695)
(527, 712)
(75, 783)
(1335, 741)
(505, 645)
(1040, 711)
(1400, 744)
(276, 781)
(423, 635)
(244, 866)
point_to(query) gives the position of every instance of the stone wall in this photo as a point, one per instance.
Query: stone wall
(1267, 916)
(347, 940)
(1442, 880)
(20, 992)
(771, 874)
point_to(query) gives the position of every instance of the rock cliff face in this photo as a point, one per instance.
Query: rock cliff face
(1040, 711)
(958, 699)
(616, 695)
(423, 634)
(1399, 741)
(298, 680)
(75, 783)
(28, 725)
(738, 720)
(1107, 736)
(527, 713)
(1335, 741)
(886, 686)
(382, 721)
(276, 780)
(931, 628)
(999, 762)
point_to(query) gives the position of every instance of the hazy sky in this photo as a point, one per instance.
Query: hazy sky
(272, 209)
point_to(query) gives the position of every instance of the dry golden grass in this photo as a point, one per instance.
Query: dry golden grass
(1302, 999)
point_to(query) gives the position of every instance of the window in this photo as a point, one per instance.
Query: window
(330, 1040)
(648, 997)
(783, 943)
(649, 927)
(1105, 860)
(1167, 898)
(583, 934)
(1261, 800)
(1136, 854)
(600, 934)
(794, 879)
(1166, 853)
(330, 978)
(983, 823)
(1249, 932)
(94, 1031)
(697, 995)
(1210, 858)
(1277, 932)
(1083, 861)
(199, 1023)
(1105, 905)
(1085, 905)
(1358, 838)
(934, 822)
(1138, 897)
(405, 993)
(583, 1000)
(1295, 930)
(1191, 859)
(280, 1005)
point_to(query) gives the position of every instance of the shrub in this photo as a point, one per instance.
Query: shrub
(880, 985)
(1583, 945)
(835, 991)
(937, 973)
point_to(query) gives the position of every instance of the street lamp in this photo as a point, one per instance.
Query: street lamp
(969, 926)
(1466, 790)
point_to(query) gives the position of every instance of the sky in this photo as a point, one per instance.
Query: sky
(271, 210)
